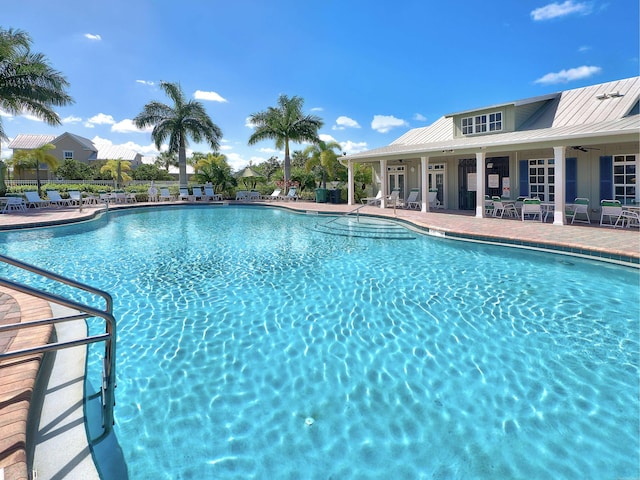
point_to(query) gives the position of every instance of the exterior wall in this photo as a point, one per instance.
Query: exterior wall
(68, 144)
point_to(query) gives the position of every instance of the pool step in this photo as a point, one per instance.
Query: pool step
(365, 228)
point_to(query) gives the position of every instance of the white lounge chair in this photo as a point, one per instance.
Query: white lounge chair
(253, 196)
(34, 200)
(372, 200)
(275, 195)
(611, 209)
(165, 195)
(197, 193)
(413, 201)
(531, 208)
(433, 199)
(242, 195)
(14, 204)
(185, 195)
(393, 200)
(292, 194)
(579, 206)
(208, 191)
(56, 199)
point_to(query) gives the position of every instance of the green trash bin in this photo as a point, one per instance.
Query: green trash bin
(321, 195)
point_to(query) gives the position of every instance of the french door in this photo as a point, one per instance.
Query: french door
(396, 179)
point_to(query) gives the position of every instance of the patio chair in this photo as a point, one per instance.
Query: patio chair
(78, 198)
(393, 200)
(56, 199)
(372, 200)
(185, 195)
(275, 195)
(628, 218)
(501, 207)
(433, 199)
(215, 197)
(34, 200)
(242, 195)
(253, 196)
(579, 206)
(14, 204)
(197, 193)
(488, 205)
(610, 209)
(531, 208)
(413, 201)
(165, 195)
(292, 194)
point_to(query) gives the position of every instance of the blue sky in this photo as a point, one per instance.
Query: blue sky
(370, 70)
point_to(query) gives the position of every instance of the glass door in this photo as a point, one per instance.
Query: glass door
(542, 179)
(437, 181)
(396, 180)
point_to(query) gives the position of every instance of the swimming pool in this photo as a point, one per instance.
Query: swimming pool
(251, 347)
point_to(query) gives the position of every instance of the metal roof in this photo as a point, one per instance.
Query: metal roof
(29, 142)
(593, 112)
(113, 152)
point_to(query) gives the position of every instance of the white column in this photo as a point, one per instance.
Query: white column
(424, 183)
(383, 183)
(560, 169)
(350, 183)
(480, 175)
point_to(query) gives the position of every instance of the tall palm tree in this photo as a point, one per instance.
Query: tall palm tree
(185, 118)
(118, 170)
(323, 159)
(285, 123)
(32, 159)
(28, 84)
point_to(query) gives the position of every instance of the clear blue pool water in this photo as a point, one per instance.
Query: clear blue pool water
(426, 358)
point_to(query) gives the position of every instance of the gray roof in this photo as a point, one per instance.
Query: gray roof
(29, 142)
(113, 152)
(596, 112)
(84, 142)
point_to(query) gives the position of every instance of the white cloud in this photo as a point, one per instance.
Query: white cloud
(101, 119)
(326, 138)
(584, 48)
(247, 123)
(5, 114)
(554, 10)
(343, 122)
(226, 147)
(564, 76)
(33, 118)
(146, 82)
(419, 117)
(384, 123)
(317, 109)
(270, 151)
(210, 96)
(127, 126)
(353, 147)
(237, 162)
(93, 37)
(71, 119)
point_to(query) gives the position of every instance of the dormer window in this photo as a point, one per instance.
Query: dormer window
(488, 122)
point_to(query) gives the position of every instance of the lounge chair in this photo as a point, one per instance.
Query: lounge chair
(208, 191)
(242, 195)
(34, 200)
(77, 198)
(532, 208)
(433, 199)
(253, 196)
(197, 193)
(413, 201)
(502, 207)
(372, 200)
(292, 194)
(612, 209)
(56, 199)
(165, 195)
(275, 195)
(393, 200)
(579, 206)
(14, 204)
(185, 195)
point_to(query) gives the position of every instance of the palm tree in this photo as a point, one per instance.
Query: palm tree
(214, 169)
(28, 84)
(285, 123)
(185, 118)
(323, 159)
(166, 160)
(32, 159)
(118, 170)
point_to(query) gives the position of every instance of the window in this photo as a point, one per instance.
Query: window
(542, 179)
(491, 122)
(68, 154)
(624, 178)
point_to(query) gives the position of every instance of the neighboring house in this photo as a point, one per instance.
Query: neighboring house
(74, 147)
(576, 143)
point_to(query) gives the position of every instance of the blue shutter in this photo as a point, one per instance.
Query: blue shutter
(572, 179)
(524, 178)
(606, 178)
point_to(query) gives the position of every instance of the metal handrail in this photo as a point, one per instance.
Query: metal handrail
(357, 209)
(85, 311)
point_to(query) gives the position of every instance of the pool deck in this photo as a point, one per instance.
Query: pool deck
(17, 377)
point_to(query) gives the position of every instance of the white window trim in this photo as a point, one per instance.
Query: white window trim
(481, 123)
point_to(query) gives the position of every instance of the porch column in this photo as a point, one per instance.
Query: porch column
(350, 183)
(383, 183)
(424, 183)
(480, 174)
(560, 168)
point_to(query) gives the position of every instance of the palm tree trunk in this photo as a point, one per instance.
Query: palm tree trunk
(182, 164)
(38, 178)
(287, 166)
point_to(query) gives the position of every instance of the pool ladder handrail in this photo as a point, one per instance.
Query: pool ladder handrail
(355, 210)
(108, 383)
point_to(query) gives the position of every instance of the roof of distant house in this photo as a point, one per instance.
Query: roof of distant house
(29, 142)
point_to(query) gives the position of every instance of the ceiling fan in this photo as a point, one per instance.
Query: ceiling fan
(583, 149)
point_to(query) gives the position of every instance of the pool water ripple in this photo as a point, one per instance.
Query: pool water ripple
(437, 359)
